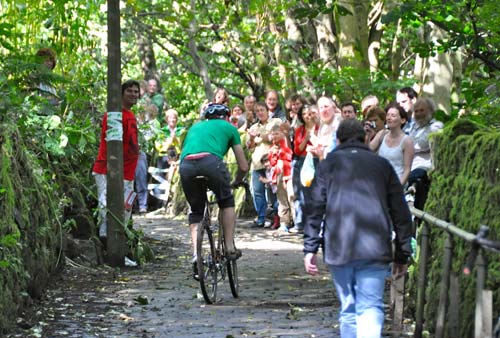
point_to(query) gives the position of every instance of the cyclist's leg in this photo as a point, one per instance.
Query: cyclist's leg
(228, 219)
(195, 193)
(219, 183)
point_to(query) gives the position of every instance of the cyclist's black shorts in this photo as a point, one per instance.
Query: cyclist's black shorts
(195, 189)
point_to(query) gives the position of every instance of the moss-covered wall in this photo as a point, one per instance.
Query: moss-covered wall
(465, 191)
(29, 227)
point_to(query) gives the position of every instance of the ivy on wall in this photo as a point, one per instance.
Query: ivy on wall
(465, 191)
(29, 227)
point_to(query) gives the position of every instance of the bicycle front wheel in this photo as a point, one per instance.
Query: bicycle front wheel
(232, 273)
(206, 261)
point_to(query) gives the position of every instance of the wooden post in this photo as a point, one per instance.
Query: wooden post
(116, 243)
(445, 285)
(480, 329)
(397, 303)
(487, 314)
(454, 309)
(422, 279)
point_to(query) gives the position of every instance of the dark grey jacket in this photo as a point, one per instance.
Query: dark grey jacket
(361, 200)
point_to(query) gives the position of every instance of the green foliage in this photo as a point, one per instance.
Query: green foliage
(245, 48)
(27, 235)
(471, 29)
(465, 191)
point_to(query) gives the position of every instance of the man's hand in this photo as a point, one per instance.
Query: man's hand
(236, 184)
(310, 264)
(399, 270)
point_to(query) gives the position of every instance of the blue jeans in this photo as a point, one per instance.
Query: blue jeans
(302, 194)
(297, 190)
(360, 288)
(259, 194)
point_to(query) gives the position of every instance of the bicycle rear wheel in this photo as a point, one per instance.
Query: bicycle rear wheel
(206, 260)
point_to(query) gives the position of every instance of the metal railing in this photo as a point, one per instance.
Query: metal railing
(449, 282)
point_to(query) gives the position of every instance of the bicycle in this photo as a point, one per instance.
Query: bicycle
(211, 257)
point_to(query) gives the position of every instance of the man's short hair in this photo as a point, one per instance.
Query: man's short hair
(350, 130)
(130, 83)
(412, 94)
(347, 104)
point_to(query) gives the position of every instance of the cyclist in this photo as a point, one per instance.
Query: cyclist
(204, 148)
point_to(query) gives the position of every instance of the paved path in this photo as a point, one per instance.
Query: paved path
(160, 299)
(277, 298)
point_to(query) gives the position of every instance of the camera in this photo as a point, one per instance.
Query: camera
(370, 124)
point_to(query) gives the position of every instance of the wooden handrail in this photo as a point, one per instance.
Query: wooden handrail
(479, 242)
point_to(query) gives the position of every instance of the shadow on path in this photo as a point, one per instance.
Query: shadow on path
(160, 299)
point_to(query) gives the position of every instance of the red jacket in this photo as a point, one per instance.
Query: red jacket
(280, 158)
(130, 146)
(299, 135)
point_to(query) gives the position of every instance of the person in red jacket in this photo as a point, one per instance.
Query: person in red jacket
(280, 158)
(303, 135)
(130, 95)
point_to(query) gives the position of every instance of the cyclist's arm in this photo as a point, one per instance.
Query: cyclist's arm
(241, 160)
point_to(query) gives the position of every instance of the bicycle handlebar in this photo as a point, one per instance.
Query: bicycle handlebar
(244, 184)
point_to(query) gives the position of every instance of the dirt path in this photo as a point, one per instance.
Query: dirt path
(160, 299)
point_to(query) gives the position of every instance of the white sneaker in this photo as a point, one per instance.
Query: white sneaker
(267, 224)
(129, 262)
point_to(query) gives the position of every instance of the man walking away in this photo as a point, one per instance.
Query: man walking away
(361, 199)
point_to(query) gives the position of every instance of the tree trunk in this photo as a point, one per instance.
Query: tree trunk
(435, 73)
(193, 51)
(281, 58)
(326, 40)
(295, 35)
(375, 34)
(353, 42)
(456, 87)
(396, 52)
(147, 56)
(116, 244)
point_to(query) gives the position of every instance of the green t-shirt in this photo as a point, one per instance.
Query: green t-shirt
(213, 136)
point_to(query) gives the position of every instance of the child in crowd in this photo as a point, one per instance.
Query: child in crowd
(280, 158)
(237, 118)
(268, 179)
